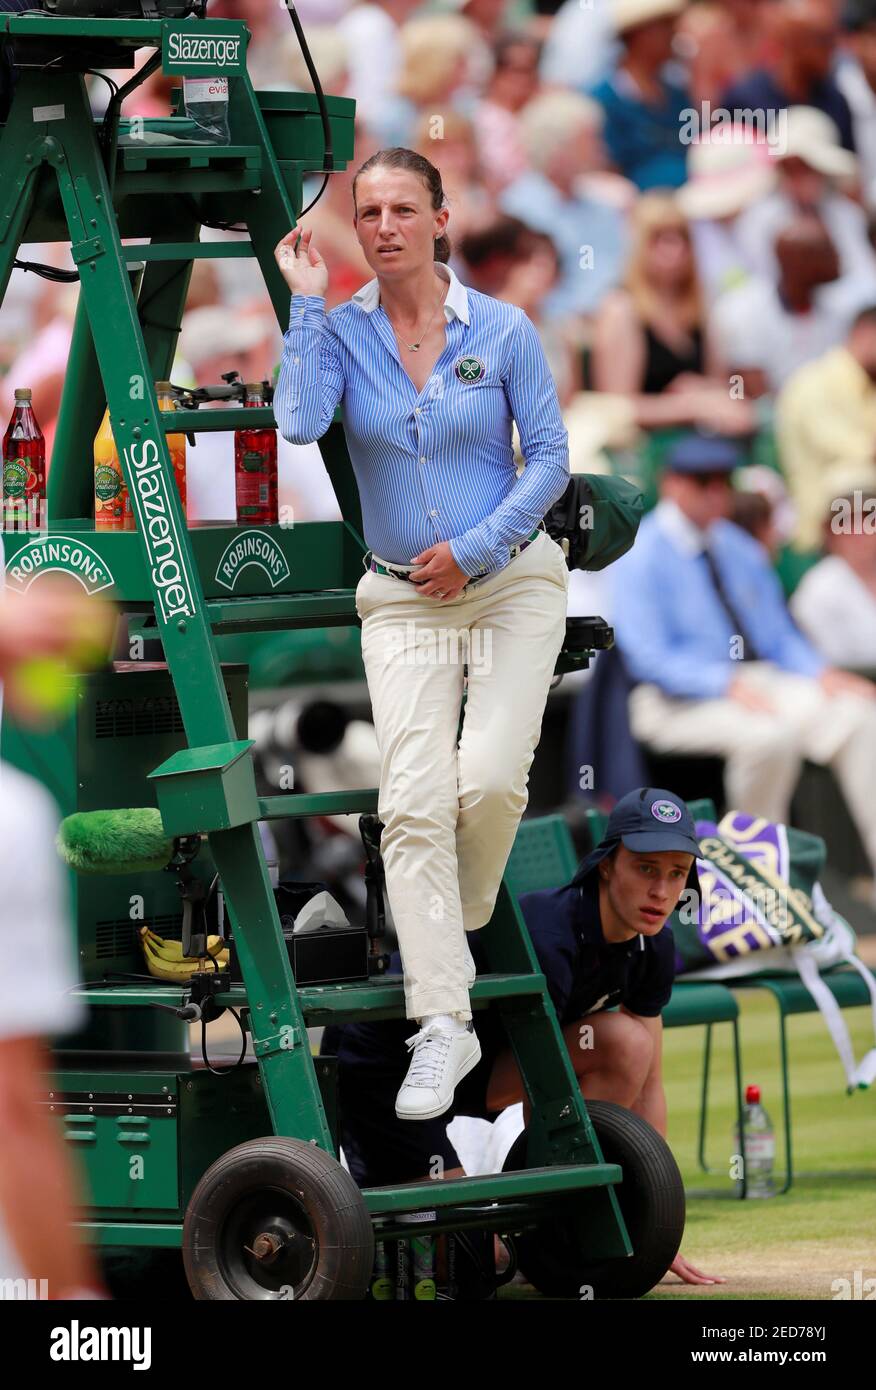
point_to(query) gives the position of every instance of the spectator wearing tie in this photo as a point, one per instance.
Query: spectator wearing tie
(719, 666)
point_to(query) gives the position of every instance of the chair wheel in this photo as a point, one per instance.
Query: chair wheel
(276, 1218)
(651, 1199)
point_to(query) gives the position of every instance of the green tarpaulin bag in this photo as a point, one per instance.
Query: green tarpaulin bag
(596, 520)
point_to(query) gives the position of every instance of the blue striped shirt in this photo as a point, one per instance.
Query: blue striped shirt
(438, 464)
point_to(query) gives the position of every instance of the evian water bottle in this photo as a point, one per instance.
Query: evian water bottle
(206, 103)
(759, 1147)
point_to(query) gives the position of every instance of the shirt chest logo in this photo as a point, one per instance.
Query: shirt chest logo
(469, 369)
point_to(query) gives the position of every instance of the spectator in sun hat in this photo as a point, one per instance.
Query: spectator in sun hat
(643, 98)
(719, 666)
(727, 173)
(811, 169)
(606, 950)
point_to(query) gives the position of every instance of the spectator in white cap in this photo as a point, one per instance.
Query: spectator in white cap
(811, 169)
(727, 174)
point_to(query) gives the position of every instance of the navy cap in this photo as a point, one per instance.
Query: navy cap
(698, 453)
(648, 819)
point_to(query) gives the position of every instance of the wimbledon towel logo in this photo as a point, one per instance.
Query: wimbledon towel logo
(157, 523)
(255, 548)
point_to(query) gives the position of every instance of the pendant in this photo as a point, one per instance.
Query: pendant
(414, 347)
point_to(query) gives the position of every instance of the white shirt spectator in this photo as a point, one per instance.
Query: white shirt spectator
(751, 329)
(846, 223)
(374, 58)
(580, 47)
(862, 101)
(37, 963)
(837, 612)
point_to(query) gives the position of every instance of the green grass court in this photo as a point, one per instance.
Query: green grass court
(824, 1228)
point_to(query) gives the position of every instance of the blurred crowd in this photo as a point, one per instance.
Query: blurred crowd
(681, 196)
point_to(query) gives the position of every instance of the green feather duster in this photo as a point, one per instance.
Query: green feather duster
(115, 842)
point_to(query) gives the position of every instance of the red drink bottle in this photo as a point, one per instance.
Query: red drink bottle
(24, 468)
(255, 468)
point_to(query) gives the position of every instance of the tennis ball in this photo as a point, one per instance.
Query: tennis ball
(46, 685)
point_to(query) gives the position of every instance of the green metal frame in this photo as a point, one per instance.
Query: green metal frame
(59, 185)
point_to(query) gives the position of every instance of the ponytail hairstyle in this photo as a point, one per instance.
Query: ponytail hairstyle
(400, 158)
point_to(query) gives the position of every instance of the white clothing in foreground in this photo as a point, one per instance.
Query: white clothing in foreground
(837, 612)
(37, 962)
(752, 329)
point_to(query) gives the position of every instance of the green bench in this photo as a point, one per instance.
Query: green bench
(544, 856)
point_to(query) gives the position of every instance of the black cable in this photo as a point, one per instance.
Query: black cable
(48, 272)
(329, 158)
(110, 82)
(223, 1071)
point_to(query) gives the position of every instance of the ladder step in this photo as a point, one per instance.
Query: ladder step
(384, 998)
(230, 417)
(318, 804)
(188, 251)
(490, 1187)
(380, 998)
(319, 608)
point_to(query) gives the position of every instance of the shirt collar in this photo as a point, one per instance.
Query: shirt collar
(672, 520)
(456, 303)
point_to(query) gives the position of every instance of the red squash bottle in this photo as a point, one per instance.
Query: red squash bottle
(255, 468)
(24, 468)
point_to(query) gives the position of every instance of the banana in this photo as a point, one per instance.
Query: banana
(164, 959)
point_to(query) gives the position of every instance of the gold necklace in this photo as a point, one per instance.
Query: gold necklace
(415, 347)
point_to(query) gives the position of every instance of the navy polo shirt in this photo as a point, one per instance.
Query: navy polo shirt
(586, 973)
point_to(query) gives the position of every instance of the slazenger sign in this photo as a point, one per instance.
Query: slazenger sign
(255, 548)
(156, 521)
(213, 50)
(65, 553)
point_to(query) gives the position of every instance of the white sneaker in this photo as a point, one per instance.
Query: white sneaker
(471, 969)
(441, 1059)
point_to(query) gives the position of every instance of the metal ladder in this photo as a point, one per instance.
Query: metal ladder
(56, 183)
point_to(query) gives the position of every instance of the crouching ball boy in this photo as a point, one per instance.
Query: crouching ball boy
(608, 957)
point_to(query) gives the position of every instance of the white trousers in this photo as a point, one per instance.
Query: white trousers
(451, 809)
(764, 751)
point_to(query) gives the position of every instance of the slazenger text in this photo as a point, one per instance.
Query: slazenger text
(158, 526)
(215, 52)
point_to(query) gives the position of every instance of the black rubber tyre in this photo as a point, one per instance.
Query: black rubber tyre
(651, 1198)
(277, 1218)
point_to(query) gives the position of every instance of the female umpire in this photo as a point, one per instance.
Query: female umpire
(430, 376)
